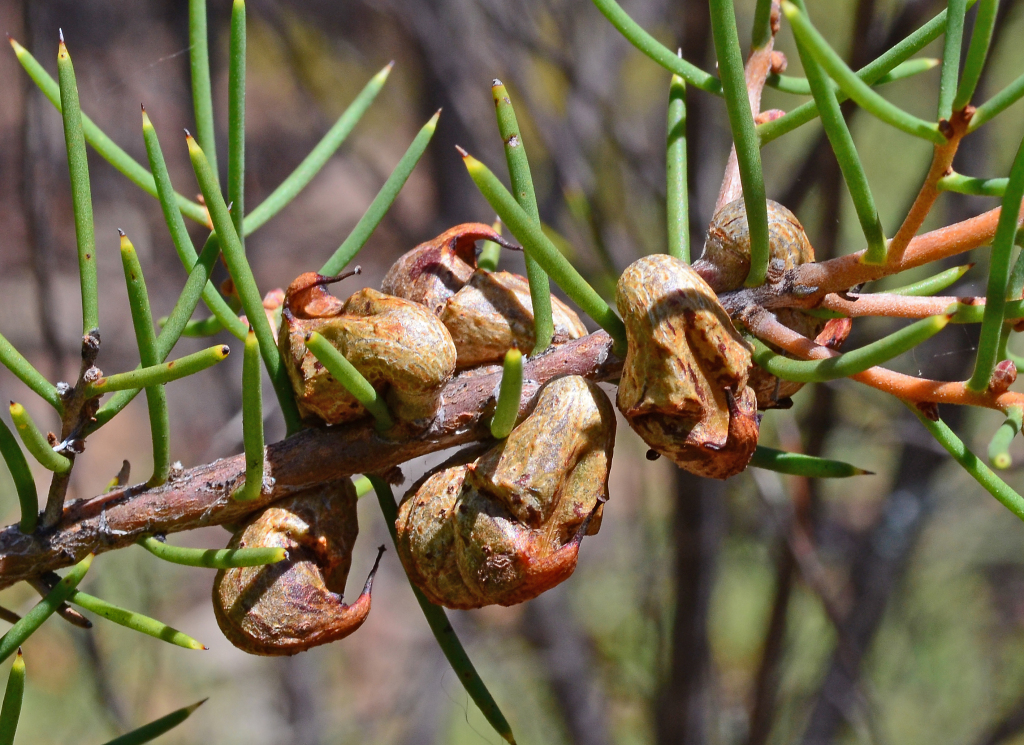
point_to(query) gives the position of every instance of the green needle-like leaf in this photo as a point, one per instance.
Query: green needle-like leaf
(157, 727)
(81, 192)
(443, 631)
(245, 283)
(955, 11)
(12, 359)
(677, 196)
(382, 202)
(198, 329)
(798, 464)
(543, 250)
(490, 252)
(650, 46)
(100, 142)
(21, 475)
(934, 284)
(319, 155)
(997, 104)
(134, 621)
(982, 187)
(849, 363)
(252, 422)
(971, 463)
(202, 90)
(363, 486)
(999, 447)
(522, 188)
(981, 38)
(31, 621)
(236, 117)
(145, 336)
(345, 373)
(839, 137)
(211, 558)
(998, 277)
(852, 85)
(908, 69)
(35, 441)
(11, 711)
(179, 233)
(506, 411)
(744, 135)
(145, 377)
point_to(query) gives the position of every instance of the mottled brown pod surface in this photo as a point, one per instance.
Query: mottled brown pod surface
(397, 345)
(726, 261)
(485, 312)
(507, 526)
(684, 381)
(284, 608)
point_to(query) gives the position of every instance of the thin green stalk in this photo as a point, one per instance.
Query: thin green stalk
(319, 155)
(852, 85)
(236, 117)
(839, 137)
(202, 90)
(31, 621)
(848, 363)
(179, 233)
(934, 284)
(976, 313)
(982, 187)
(35, 441)
(245, 283)
(23, 370)
(798, 464)
(252, 422)
(677, 196)
(996, 105)
(382, 202)
(761, 31)
(800, 86)
(540, 246)
(1015, 287)
(353, 381)
(11, 711)
(157, 727)
(998, 277)
(650, 46)
(198, 329)
(955, 11)
(21, 475)
(522, 188)
(168, 336)
(146, 377)
(506, 411)
(81, 192)
(971, 463)
(744, 135)
(211, 558)
(490, 252)
(999, 447)
(134, 621)
(145, 337)
(101, 143)
(442, 629)
(981, 38)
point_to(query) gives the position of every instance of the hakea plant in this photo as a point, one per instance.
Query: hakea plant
(699, 352)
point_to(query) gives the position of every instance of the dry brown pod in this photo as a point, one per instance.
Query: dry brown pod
(295, 604)
(504, 527)
(485, 312)
(684, 380)
(402, 349)
(726, 262)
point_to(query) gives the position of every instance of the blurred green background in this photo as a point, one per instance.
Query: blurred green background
(881, 609)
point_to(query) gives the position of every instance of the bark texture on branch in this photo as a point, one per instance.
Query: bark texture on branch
(201, 496)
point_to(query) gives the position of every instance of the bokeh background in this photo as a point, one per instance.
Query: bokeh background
(881, 609)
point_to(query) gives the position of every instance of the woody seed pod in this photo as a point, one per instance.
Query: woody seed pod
(398, 346)
(684, 380)
(506, 526)
(485, 312)
(295, 604)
